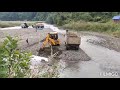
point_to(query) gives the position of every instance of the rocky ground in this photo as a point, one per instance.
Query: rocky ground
(106, 40)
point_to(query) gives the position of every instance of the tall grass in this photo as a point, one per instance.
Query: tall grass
(4, 24)
(109, 27)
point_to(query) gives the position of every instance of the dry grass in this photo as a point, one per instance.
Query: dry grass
(109, 27)
(4, 24)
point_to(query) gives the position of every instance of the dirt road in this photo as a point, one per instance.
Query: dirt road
(98, 57)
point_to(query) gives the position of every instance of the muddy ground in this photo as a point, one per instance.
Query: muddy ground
(88, 61)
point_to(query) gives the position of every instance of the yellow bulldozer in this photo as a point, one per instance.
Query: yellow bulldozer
(51, 39)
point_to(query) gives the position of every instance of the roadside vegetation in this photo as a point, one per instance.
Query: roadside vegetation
(13, 62)
(4, 24)
(108, 27)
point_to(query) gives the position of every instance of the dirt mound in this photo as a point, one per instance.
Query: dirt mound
(74, 56)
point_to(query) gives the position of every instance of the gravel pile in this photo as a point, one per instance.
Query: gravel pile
(74, 56)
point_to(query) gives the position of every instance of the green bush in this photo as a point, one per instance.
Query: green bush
(13, 63)
(109, 27)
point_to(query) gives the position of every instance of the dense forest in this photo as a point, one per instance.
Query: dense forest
(80, 21)
(57, 17)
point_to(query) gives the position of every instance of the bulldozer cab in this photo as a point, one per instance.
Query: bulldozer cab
(53, 35)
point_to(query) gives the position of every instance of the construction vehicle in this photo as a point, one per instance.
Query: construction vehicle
(24, 25)
(51, 39)
(72, 41)
(38, 26)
